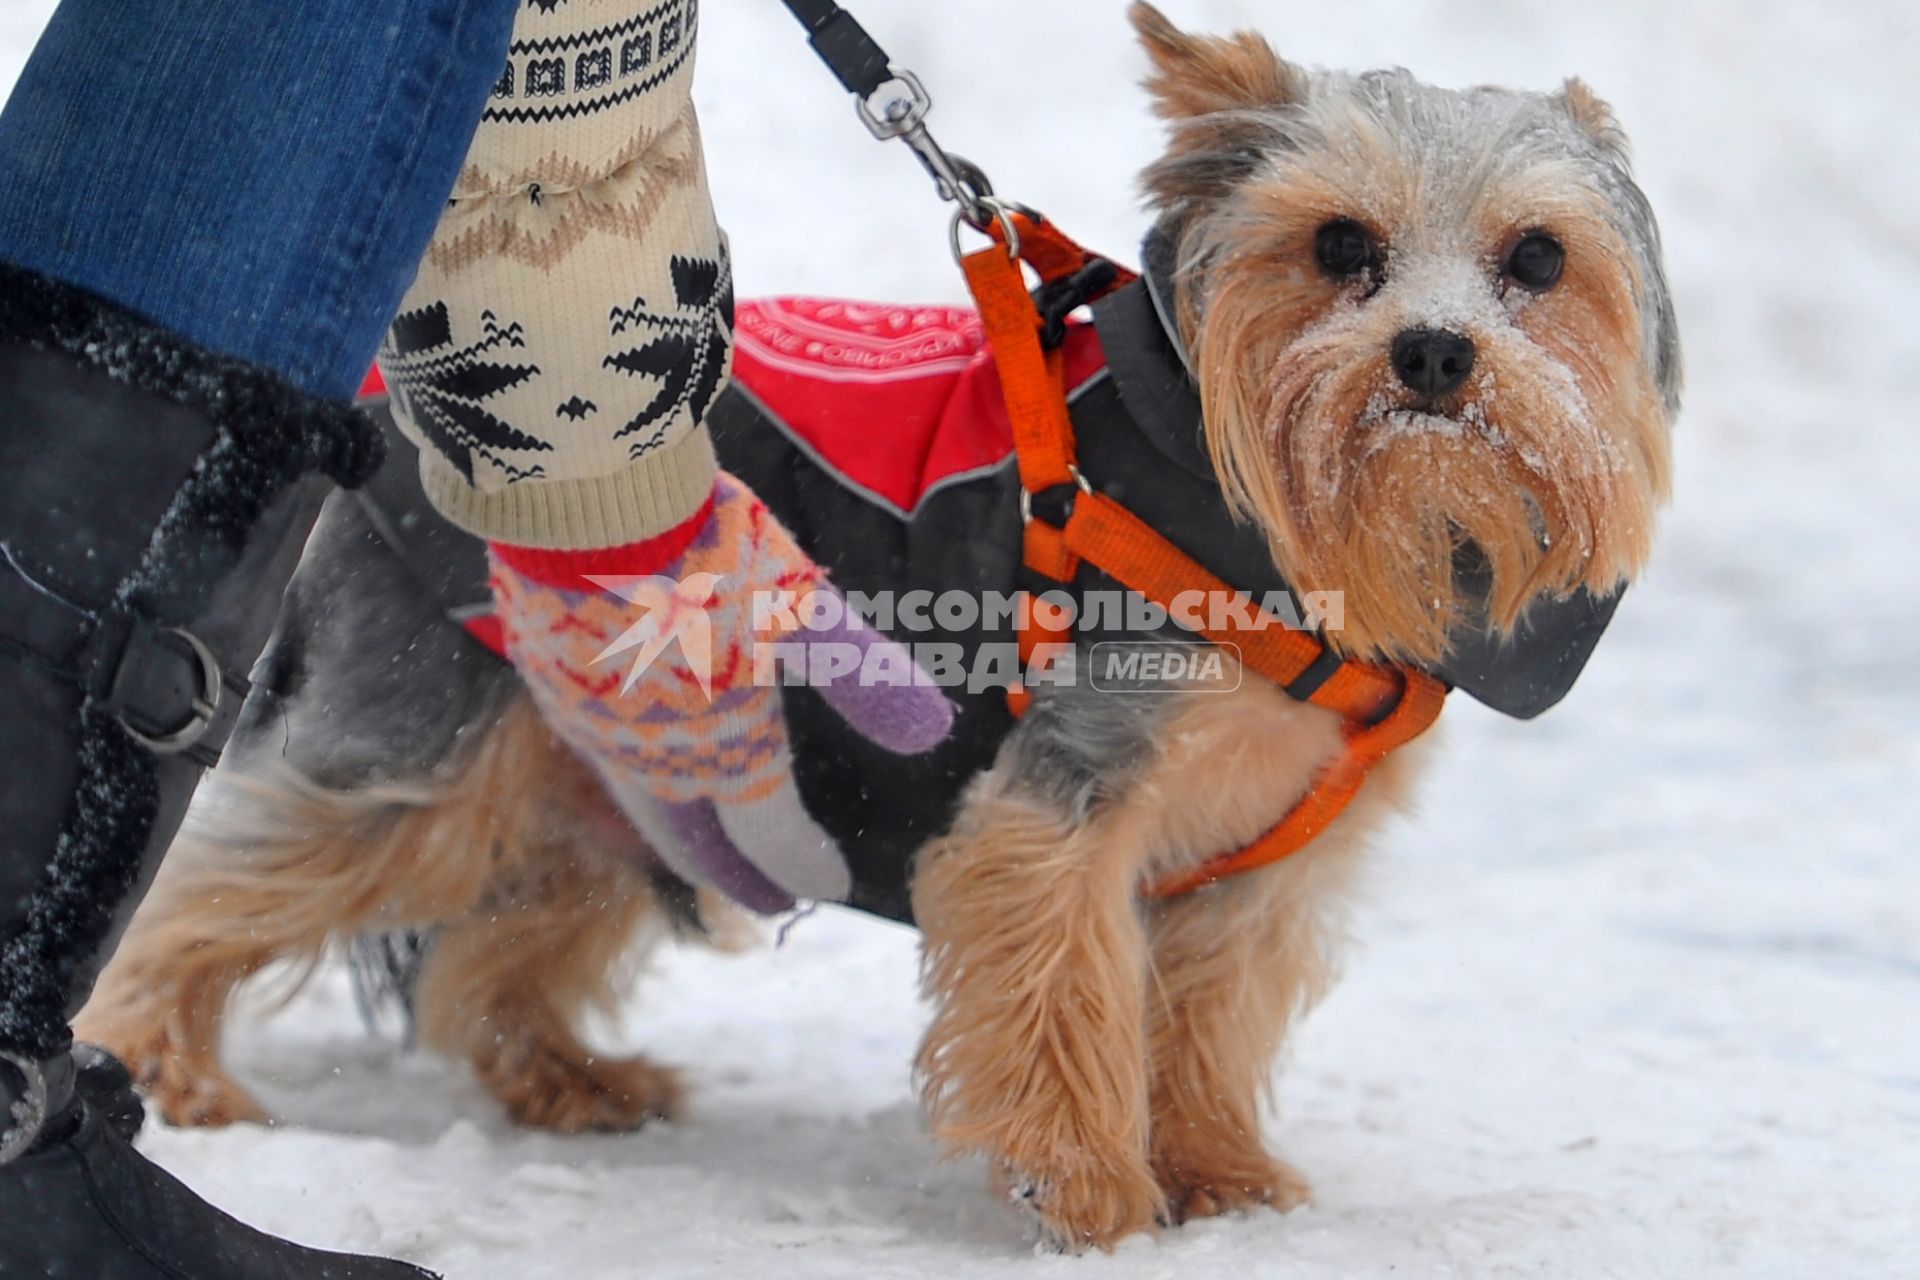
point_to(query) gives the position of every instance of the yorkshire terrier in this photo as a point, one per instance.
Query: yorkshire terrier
(1436, 368)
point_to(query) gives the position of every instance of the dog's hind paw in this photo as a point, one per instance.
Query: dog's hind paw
(190, 1092)
(568, 1094)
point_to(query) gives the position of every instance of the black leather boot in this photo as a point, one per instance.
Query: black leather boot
(154, 499)
(104, 1084)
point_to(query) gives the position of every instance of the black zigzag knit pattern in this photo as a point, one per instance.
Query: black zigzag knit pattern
(595, 38)
(682, 350)
(443, 387)
(652, 46)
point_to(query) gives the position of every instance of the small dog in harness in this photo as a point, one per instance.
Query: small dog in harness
(1405, 348)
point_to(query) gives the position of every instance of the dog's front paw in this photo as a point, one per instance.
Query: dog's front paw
(1194, 1194)
(1087, 1206)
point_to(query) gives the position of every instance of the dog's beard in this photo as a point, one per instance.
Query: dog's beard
(1365, 495)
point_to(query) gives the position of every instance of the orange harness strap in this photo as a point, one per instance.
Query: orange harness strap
(1381, 707)
(1033, 381)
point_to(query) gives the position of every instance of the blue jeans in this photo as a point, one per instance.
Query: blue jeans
(261, 176)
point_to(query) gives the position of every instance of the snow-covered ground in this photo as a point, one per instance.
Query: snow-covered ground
(1637, 994)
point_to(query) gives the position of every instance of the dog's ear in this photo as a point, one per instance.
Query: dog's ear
(1219, 94)
(1196, 76)
(1595, 119)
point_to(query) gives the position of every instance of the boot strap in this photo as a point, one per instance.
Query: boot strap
(167, 687)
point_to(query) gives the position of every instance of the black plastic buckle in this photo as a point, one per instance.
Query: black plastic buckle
(1318, 672)
(855, 58)
(1058, 299)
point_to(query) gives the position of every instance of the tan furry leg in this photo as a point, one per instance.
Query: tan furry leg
(1035, 955)
(507, 989)
(1233, 963)
(1051, 1047)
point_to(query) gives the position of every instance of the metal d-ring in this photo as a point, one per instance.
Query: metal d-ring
(1026, 495)
(1002, 212)
(21, 1129)
(206, 707)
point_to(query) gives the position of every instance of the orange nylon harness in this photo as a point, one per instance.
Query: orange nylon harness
(1381, 707)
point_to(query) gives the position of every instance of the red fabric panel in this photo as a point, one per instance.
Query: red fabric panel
(489, 631)
(894, 398)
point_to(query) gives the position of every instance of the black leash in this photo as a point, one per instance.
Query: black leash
(855, 58)
(893, 103)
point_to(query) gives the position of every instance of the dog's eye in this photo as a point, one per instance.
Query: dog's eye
(1537, 261)
(1343, 248)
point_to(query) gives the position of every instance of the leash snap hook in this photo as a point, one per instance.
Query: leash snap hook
(893, 103)
(898, 108)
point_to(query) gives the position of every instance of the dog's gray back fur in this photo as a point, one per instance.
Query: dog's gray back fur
(1080, 747)
(366, 679)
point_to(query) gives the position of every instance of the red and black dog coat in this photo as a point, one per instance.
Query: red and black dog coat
(878, 435)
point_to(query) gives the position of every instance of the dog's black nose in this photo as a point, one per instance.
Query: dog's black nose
(1432, 361)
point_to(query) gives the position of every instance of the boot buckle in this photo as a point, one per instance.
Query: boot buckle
(205, 705)
(28, 1115)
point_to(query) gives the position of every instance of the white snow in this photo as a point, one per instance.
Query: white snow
(1637, 993)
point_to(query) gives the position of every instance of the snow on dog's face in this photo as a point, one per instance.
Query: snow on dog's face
(1420, 319)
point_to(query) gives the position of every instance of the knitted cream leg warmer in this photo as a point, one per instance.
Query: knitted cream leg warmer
(572, 320)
